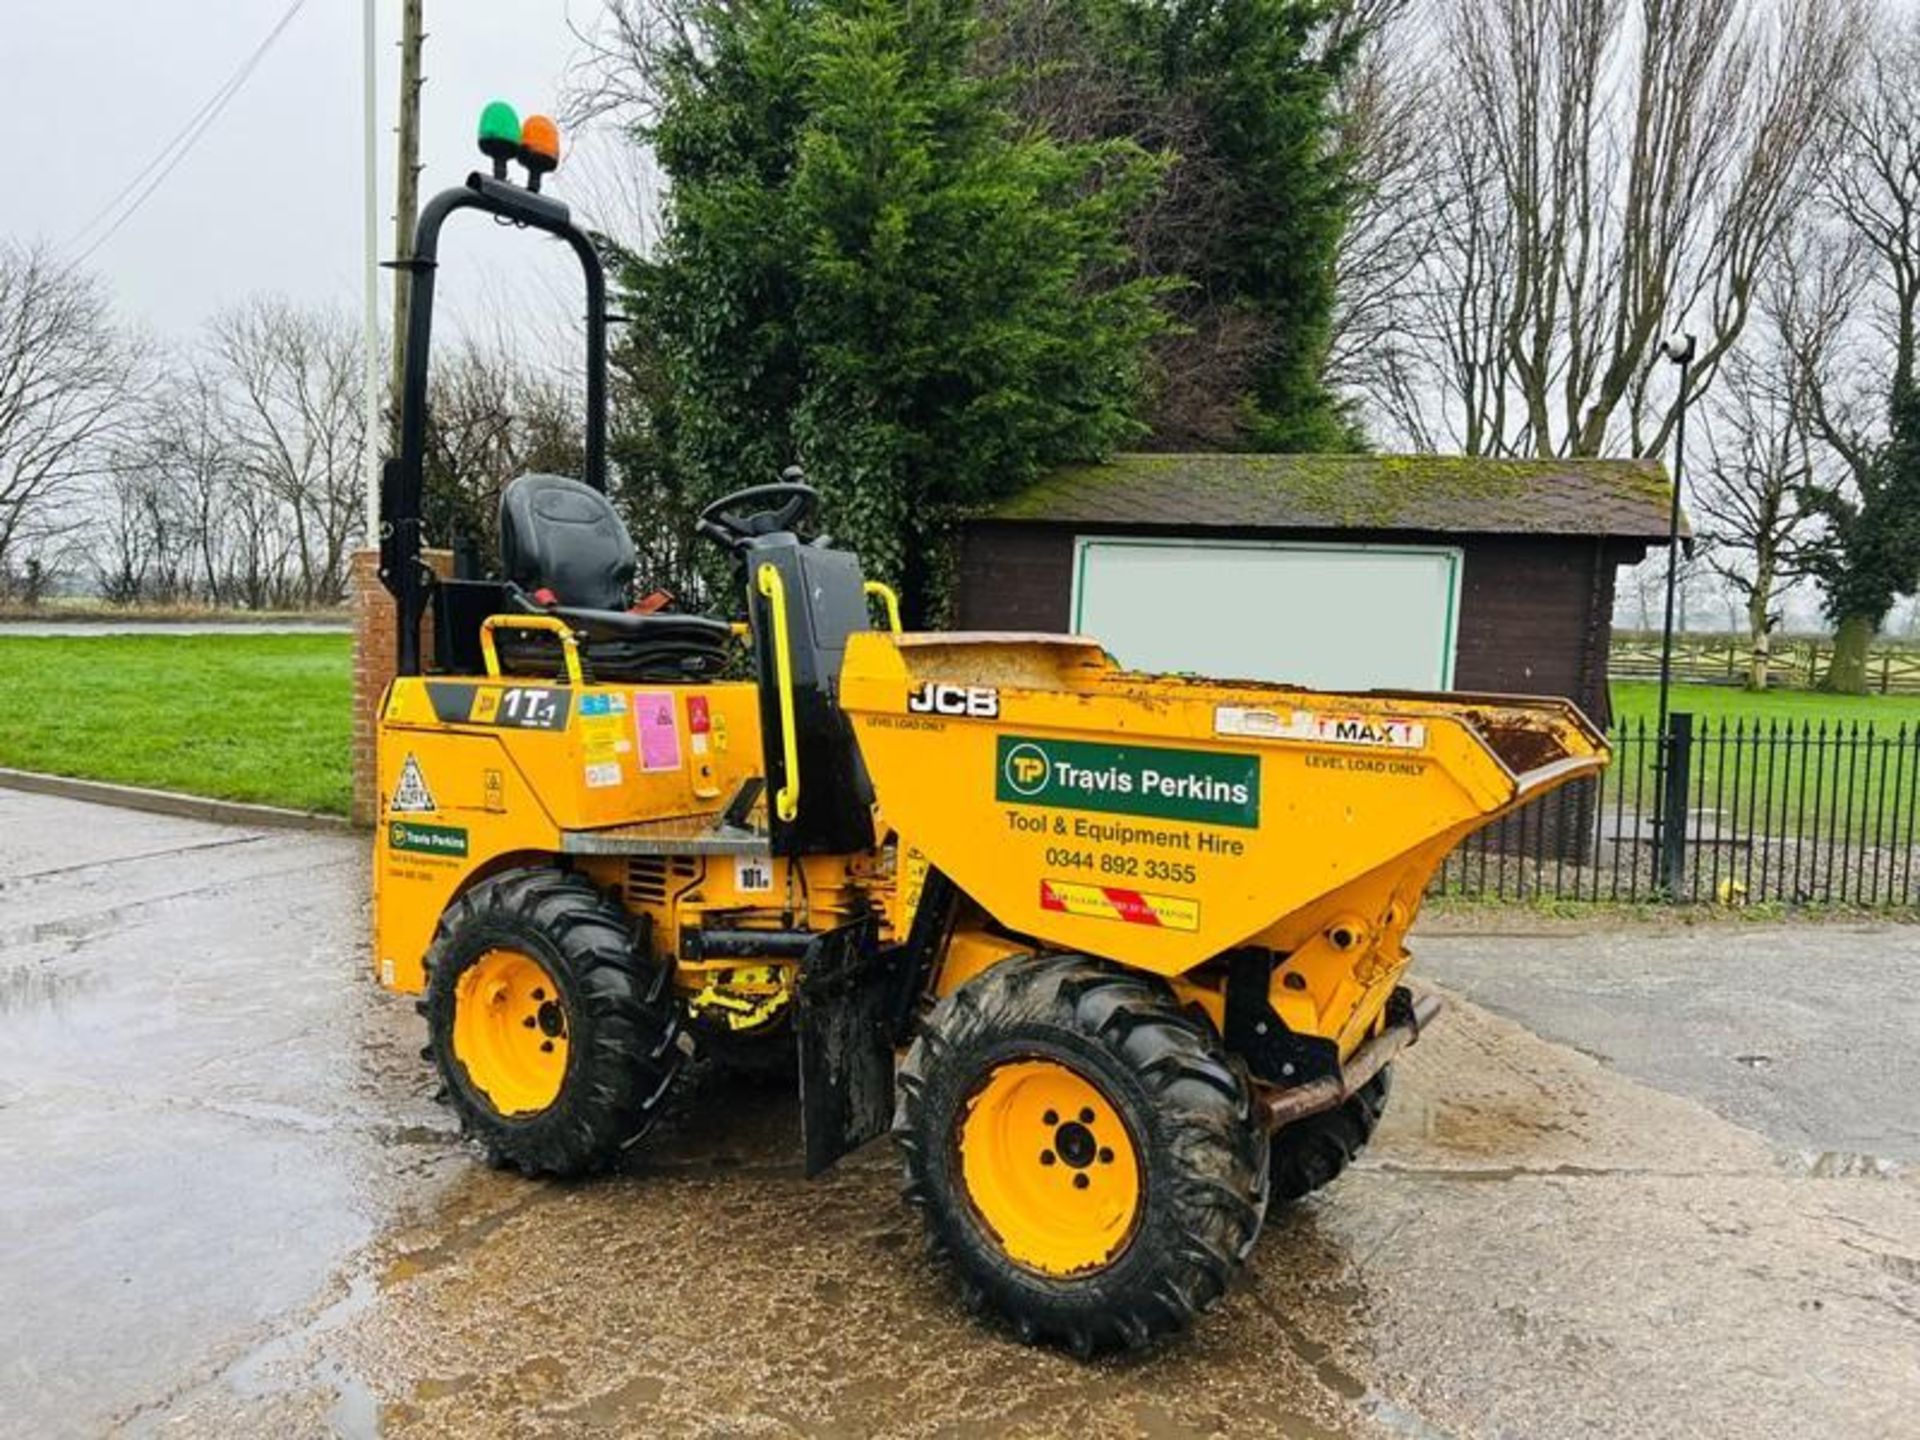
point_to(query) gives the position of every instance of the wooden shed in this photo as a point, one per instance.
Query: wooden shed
(1347, 572)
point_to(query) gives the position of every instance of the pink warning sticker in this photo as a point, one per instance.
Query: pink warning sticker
(659, 731)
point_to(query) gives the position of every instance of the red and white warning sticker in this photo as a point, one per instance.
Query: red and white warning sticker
(1113, 902)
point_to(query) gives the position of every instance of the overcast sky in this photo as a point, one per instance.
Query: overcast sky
(270, 197)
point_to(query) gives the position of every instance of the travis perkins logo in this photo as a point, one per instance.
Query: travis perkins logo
(1167, 784)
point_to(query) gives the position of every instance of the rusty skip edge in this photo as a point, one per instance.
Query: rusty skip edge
(1276, 1107)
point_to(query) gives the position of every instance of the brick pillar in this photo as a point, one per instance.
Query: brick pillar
(373, 662)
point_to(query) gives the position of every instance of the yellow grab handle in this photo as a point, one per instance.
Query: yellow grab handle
(885, 592)
(786, 804)
(569, 647)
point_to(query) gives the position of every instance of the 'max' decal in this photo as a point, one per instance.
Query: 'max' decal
(1192, 785)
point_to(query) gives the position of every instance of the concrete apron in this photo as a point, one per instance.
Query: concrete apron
(232, 1207)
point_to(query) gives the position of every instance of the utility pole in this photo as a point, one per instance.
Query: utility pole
(406, 198)
(370, 239)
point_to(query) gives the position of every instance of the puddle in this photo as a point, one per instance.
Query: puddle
(355, 1412)
(463, 1220)
(282, 1365)
(1337, 1378)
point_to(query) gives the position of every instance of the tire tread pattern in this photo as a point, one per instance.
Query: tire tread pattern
(624, 1020)
(1205, 1158)
(1312, 1153)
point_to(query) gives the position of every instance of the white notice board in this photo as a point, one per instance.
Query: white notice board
(1335, 617)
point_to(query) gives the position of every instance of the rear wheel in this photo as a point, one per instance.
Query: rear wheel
(556, 1041)
(1084, 1152)
(1313, 1152)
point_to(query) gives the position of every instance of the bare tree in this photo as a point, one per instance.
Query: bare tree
(1611, 170)
(1854, 316)
(65, 371)
(1389, 109)
(1854, 333)
(1748, 509)
(166, 529)
(1876, 189)
(190, 429)
(492, 418)
(296, 429)
(1641, 592)
(142, 546)
(617, 75)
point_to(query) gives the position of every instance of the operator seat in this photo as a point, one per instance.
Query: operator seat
(565, 553)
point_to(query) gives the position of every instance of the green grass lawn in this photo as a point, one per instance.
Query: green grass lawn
(237, 717)
(1762, 764)
(1640, 699)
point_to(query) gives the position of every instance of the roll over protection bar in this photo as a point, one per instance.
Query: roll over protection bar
(403, 476)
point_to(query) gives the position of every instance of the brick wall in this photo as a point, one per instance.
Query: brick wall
(373, 662)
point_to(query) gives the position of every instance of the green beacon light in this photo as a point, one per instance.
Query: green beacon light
(499, 135)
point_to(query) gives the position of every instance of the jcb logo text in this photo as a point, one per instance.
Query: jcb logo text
(977, 702)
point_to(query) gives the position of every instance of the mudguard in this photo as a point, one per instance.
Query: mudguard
(846, 1043)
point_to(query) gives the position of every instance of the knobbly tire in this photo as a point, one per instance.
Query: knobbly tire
(556, 1042)
(1043, 1095)
(1313, 1152)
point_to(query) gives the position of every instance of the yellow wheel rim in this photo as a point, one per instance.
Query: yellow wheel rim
(510, 1031)
(1050, 1167)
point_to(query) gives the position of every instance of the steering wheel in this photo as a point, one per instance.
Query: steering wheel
(734, 519)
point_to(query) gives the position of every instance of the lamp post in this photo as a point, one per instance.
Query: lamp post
(1679, 350)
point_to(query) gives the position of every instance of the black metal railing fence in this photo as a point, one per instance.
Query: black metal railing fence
(1727, 811)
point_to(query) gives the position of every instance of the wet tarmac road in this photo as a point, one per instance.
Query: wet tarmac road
(231, 1207)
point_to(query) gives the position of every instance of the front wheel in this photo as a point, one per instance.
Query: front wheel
(556, 1041)
(1084, 1152)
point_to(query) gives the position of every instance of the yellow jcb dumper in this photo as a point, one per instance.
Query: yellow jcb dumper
(1116, 956)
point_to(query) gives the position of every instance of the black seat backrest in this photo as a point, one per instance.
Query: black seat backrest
(560, 535)
(826, 603)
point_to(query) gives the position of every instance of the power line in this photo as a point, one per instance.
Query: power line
(181, 144)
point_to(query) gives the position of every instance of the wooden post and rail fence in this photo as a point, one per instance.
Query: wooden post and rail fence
(1795, 663)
